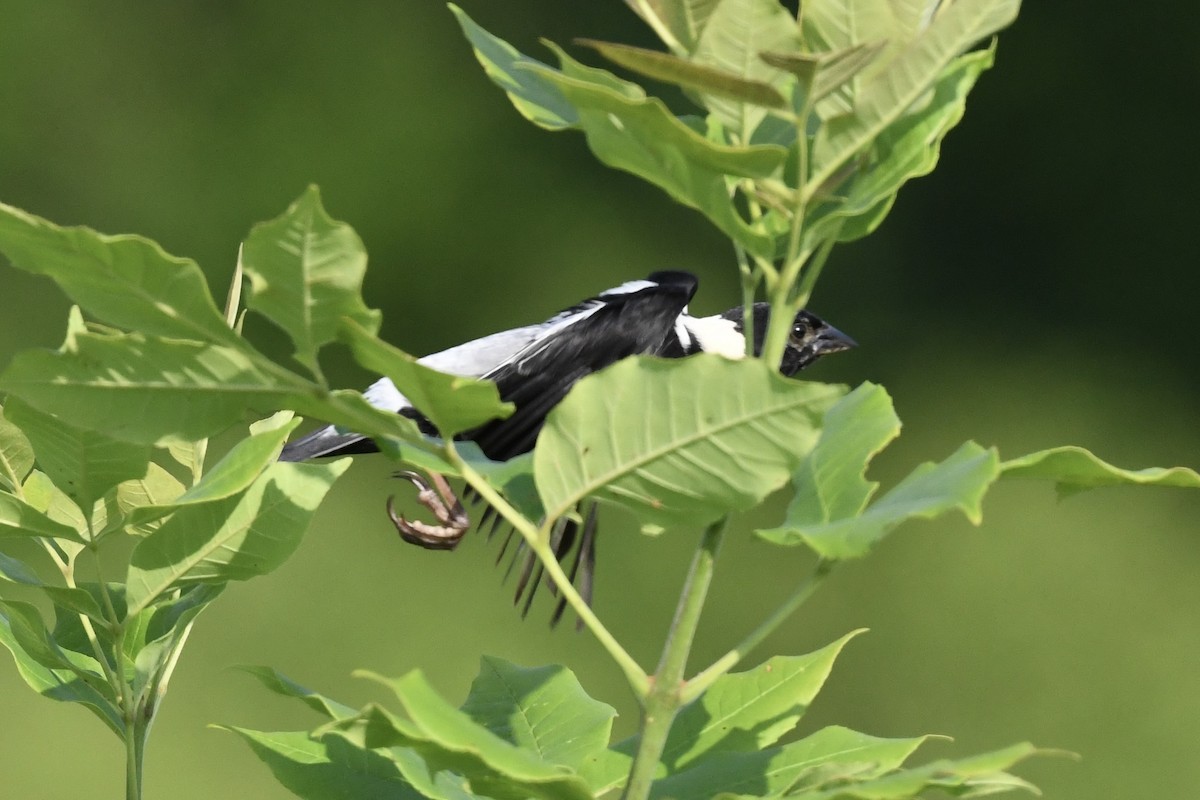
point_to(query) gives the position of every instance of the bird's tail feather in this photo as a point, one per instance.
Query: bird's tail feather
(328, 441)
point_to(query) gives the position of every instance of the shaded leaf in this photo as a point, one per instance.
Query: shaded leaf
(126, 281)
(232, 539)
(652, 435)
(687, 74)
(543, 710)
(306, 273)
(19, 518)
(158, 489)
(929, 491)
(1074, 469)
(62, 684)
(535, 97)
(84, 464)
(453, 403)
(825, 73)
(75, 600)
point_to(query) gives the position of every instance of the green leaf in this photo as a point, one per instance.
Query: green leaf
(1074, 469)
(306, 273)
(542, 710)
(830, 483)
(233, 474)
(453, 403)
(19, 518)
(826, 73)
(236, 538)
(126, 281)
(641, 136)
(748, 711)
(16, 455)
(281, 684)
(929, 491)
(736, 33)
(64, 685)
(159, 633)
(687, 74)
(829, 755)
(85, 464)
(492, 760)
(535, 97)
(895, 87)
(77, 601)
(679, 23)
(327, 768)
(907, 149)
(158, 489)
(652, 435)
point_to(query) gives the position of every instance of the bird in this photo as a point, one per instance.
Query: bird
(534, 367)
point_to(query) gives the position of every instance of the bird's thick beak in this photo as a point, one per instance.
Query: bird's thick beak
(831, 340)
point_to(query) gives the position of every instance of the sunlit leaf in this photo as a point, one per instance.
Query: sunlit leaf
(929, 491)
(125, 281)
(453, 403)
(748, 711)
(236, 538)
(537, 98)
(678, 22)
(736, 33)
(892, 90)
(84, 464)
(653, 435)
(541, 709)
(687, 74)
(19, 518)
(306, 273)
(1074, 469)
(281, 684)
(16, 455)
(439, 724)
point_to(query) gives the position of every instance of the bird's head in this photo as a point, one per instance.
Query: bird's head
(809, 339)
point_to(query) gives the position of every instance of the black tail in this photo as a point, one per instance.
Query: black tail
(325, 442)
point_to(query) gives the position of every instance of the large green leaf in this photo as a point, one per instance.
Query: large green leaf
(748, 711)
(453, 403)
(679, 440)
(452, 737)
(85, 464)
(895, 86)
(236, 538)
(306, 273)
(16, 455)
(75, 600)
(19, 518)
(537, 98)
(1074, 469)
(64, 685)
(929, 491)
(543, 710)
(327, 768)
(736, 33)
(125, 281)
(830, 755)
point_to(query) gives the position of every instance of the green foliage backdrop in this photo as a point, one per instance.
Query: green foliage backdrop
(1036, 291)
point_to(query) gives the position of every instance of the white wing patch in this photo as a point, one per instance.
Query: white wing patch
(716, 334)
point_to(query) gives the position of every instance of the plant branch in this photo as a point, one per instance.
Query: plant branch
(701, 682)
(665, 697)
(638, 680)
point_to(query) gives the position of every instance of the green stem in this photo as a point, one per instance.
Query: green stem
(638, 680)
(701, 682)
(135, 746)
(665, 697)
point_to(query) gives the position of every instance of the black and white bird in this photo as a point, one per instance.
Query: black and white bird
(535, 366)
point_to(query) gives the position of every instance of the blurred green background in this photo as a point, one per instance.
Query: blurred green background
(1038, 289)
